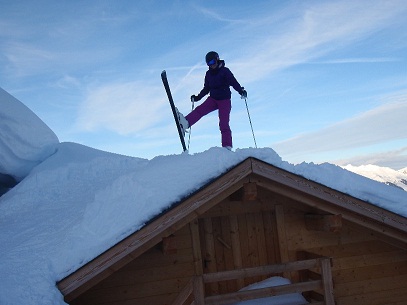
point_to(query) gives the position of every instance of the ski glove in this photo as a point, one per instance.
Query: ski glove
(243, 93)
(194, 98)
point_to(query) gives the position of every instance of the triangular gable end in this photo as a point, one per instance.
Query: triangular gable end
(251, 171)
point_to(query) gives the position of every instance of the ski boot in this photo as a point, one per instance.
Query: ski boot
(182, 122)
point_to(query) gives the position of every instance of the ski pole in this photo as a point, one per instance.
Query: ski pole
(250, 120)
(190, 128)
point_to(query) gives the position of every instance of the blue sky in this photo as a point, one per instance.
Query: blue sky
(326, 80)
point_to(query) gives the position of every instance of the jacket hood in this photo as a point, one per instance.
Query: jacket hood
(221, 64)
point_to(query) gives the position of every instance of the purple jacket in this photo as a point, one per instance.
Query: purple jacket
(217, 83)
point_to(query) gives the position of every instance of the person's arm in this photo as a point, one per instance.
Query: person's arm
(205, 90)
(232, 81)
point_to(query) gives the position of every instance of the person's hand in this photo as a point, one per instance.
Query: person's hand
(194, 98)
(243, 94)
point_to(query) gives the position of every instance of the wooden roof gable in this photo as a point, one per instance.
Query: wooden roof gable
(277, 180)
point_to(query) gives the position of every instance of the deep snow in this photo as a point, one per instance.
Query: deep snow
(74, 202)
(25, 140)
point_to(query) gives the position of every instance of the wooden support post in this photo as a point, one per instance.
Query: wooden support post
(236, 247)
(210, 256)
(282, 238)
(196, 246)
(327, 283)
(199, 293)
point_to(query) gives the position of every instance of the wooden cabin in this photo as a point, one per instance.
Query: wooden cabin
(254, 222)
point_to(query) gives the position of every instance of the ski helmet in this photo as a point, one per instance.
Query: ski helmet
(211, 56)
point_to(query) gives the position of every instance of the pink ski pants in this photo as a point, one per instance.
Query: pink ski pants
(224, 107)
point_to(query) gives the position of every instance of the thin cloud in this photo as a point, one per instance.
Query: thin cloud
(212, 14)
(29, 59)
(124, 108)
(379, 125)
(25, 58)
(357, 60)
(68, 81)
(396, 159)
(58, 39)
(314, 33)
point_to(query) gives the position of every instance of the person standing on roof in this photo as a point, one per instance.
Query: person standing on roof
(218, 79)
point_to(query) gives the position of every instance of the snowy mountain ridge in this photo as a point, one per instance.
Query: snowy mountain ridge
(385, 175)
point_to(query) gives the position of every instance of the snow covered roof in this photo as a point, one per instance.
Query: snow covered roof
(81, 201)
(178, 214)
(75, 202)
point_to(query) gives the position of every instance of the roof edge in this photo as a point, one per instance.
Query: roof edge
(317, 191)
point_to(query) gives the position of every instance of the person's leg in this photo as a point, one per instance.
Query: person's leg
(206, 107)
(225, 107)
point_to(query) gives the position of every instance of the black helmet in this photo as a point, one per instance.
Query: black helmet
(212, 55)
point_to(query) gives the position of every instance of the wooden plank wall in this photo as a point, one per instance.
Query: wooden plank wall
(154, 278)
(237, 241)
(233, 234)
(366, 269)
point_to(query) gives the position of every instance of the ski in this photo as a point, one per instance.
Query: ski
(174, 111)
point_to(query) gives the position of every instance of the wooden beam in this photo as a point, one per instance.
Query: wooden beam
(281, 232)
(327, 283)
(210, 255)
(185, 293)
(236, 247)
(320, 196)
(223, 242)
(250, 191)
(325, 223)
(262, 270)
(394, 227)
(199, 292)
(196, 246)
(262, 293)
(169, 245)
(324, 281)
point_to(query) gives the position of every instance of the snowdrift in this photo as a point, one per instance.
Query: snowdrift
(25, 140)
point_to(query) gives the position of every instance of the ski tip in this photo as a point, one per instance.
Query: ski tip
(163, 75)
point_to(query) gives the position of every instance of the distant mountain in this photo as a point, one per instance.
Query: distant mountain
(382, 174)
